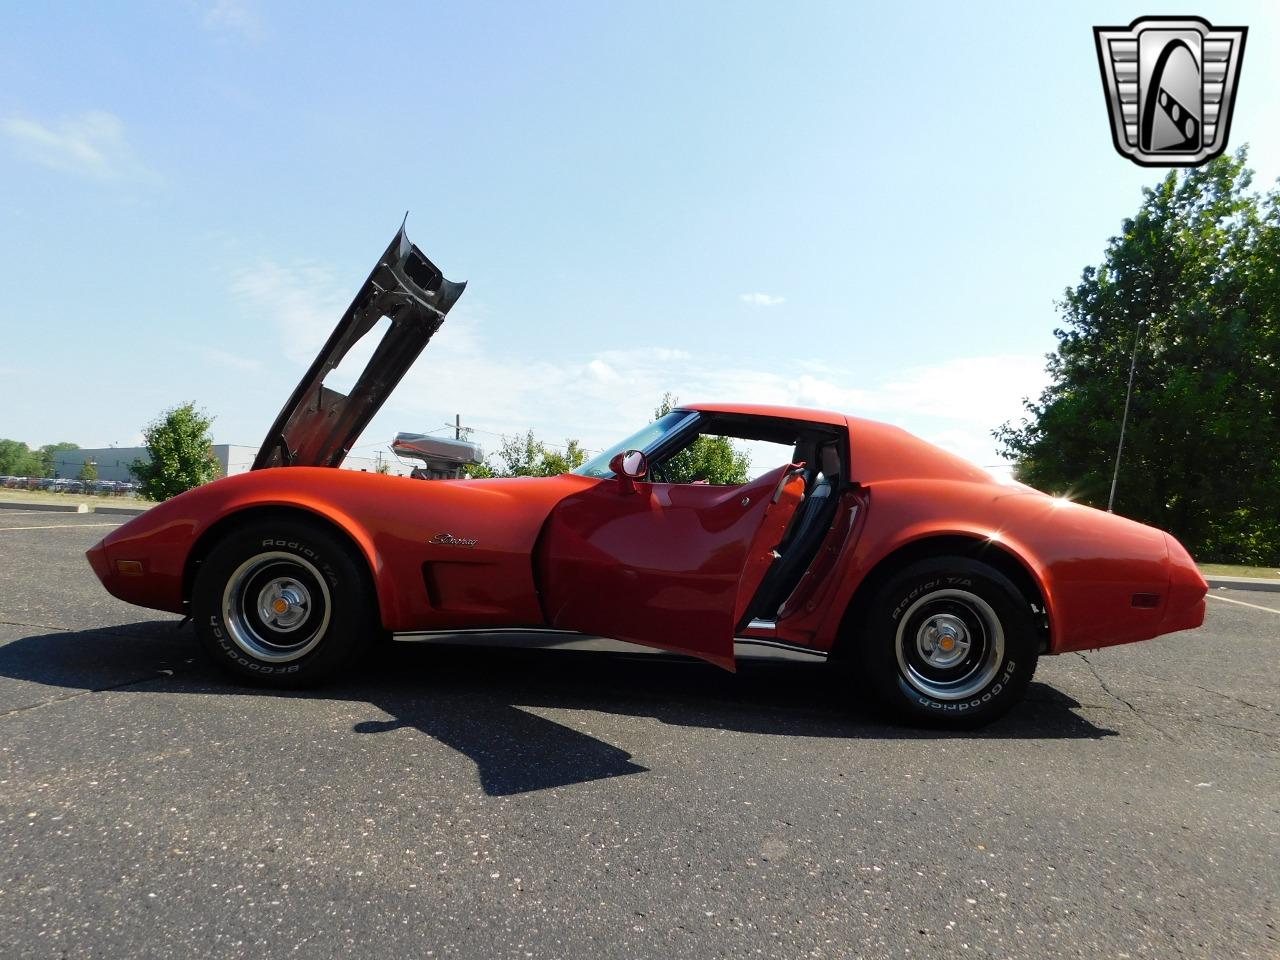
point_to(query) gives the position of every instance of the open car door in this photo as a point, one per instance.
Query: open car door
(669, 565)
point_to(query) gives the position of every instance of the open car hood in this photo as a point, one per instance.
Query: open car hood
(318, 425)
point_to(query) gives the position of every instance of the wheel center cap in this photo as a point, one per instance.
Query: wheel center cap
(943, 640)
(284, 604)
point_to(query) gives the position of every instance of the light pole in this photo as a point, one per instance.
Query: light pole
(1124, 420)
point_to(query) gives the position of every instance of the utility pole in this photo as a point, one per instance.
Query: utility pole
(457, 426)
(1124, 420)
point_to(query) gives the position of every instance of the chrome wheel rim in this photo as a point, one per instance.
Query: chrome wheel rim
(949, 644)
(276, 607)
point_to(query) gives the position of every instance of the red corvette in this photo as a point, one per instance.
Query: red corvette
(932, 582)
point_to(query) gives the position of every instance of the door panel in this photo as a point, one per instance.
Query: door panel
(660, 566)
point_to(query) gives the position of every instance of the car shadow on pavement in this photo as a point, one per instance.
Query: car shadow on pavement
(477, 698)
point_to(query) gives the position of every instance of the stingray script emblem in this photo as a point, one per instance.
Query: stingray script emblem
(450, 540)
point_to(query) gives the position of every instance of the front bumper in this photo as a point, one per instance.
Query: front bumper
(97, 556)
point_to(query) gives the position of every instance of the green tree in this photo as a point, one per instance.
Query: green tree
(49, 459)
(556, 462)
(181, 453)
(526, 456)
(19, 460)
(519, 456)
(1192, 280)
(89, 472)
(713, 459)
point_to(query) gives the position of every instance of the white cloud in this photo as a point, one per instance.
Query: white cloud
(599, 397)
(654, 354)
(602, 371)
(229, 360)
(761, 299)
(235, 16)
(987, 389)
(92, 144)
(302, 302)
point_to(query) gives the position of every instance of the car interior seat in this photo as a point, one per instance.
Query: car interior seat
(807, 528)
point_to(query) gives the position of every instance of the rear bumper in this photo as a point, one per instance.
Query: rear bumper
(1135, 599)
(1184, 607)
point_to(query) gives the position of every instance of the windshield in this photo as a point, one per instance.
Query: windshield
(642, 439)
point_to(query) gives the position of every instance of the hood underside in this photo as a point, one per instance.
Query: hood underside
(318, 425)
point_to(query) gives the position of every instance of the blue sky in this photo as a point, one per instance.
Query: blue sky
(871, 208)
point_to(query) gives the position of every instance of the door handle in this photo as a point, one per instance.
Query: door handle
(745, 501)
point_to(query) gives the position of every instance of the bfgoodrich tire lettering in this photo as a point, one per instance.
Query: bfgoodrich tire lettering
(283, 603)
(949, 640)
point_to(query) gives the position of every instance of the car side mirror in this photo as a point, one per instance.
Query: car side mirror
(629, 467)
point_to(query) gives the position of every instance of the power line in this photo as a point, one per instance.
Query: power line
(505, 436)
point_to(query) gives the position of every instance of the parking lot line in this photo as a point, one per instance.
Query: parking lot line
(1254, 606)
(62, 526)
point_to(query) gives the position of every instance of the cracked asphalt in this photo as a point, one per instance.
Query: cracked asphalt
(474, 800)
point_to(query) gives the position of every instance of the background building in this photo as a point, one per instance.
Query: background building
(113, 462)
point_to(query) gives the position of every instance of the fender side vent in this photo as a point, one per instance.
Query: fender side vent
(1146, 601)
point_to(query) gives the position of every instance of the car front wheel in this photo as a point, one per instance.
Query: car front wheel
(949, 640)
(283, 603)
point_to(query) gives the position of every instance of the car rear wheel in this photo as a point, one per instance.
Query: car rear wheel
(949, 640)
(283, 603)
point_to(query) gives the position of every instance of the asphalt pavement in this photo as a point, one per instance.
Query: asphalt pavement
(479, 799)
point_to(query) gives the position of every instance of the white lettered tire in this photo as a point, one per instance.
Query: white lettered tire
(283, 603)
(949, 641)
